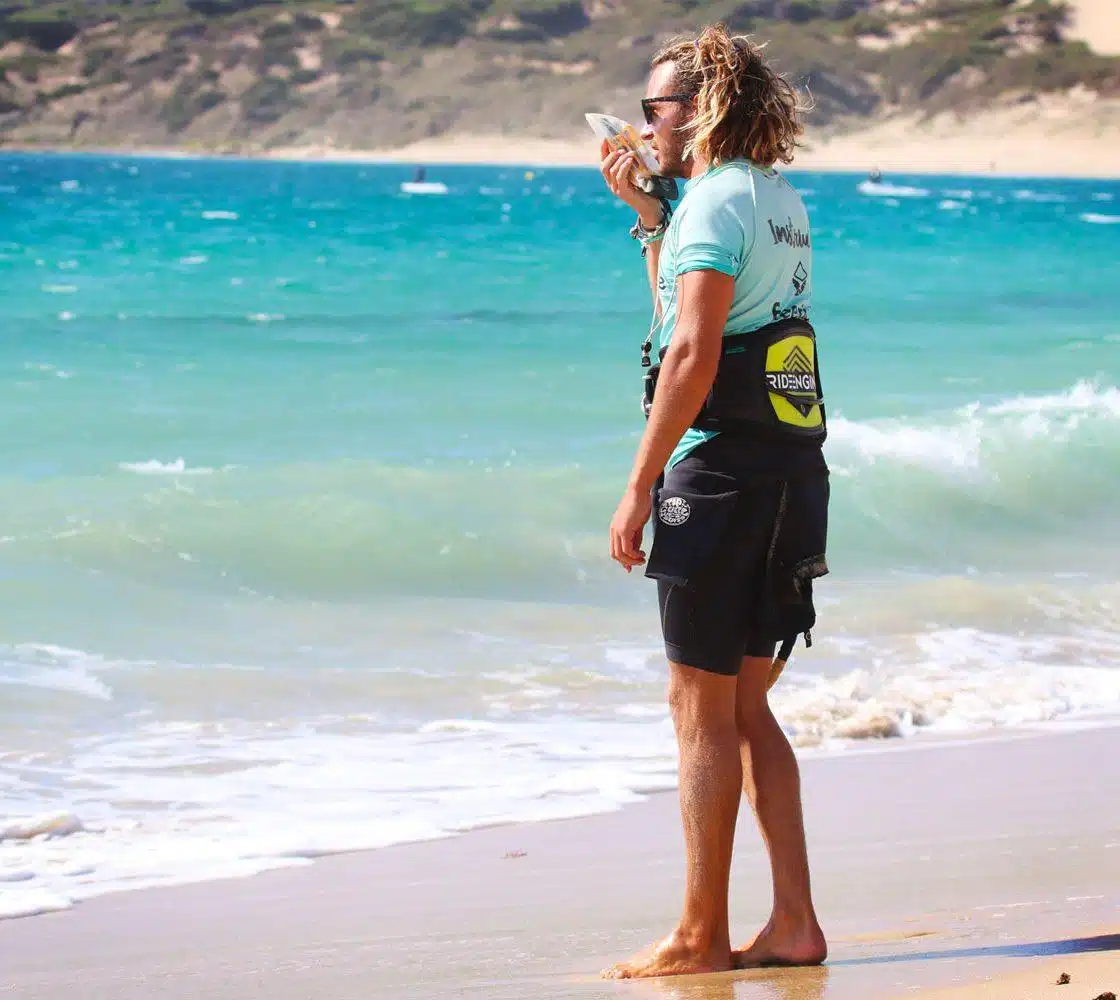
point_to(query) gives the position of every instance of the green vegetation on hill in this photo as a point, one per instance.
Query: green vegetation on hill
(259, 73)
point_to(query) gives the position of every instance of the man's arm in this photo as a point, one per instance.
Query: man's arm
(687, 371)
(653, 254)
(618, 170)
(653, 257)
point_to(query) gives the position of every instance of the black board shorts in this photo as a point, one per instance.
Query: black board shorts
(739, 532)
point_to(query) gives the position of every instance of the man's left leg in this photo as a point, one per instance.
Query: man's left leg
(772, 783)
(710, 778)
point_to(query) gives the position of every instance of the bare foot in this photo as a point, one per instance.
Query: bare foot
(672, 957)
(782, 944)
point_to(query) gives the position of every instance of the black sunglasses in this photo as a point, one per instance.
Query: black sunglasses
(649, 102)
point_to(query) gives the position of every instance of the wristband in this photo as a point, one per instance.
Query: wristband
(648, 236)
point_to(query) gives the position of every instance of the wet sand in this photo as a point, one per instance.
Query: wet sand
(935, 866)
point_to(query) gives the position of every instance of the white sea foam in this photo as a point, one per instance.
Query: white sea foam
(70, 681)
(46, 369)
(15, 875)
(31, 902)
(957, 680)
(884, 189)
(154, 467)
(1098, 219)
(147, 802)
(1041, 197)
(1082, 398)
(220, 215)
(47, 825)
(47, 667)
(958, 441)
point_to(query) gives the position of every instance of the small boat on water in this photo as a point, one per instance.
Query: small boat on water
(421, 185)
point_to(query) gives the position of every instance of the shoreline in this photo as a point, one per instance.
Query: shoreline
(1059, 137)
(452, 155)
(20, 904)
(429, 156)
(932, 871)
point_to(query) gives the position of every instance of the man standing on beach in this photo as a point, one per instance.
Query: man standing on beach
(731, 468)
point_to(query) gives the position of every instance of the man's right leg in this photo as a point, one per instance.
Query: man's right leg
(772, 783)
(703, 710)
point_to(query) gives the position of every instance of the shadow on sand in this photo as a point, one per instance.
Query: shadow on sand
(812, 983)
(1033, 949)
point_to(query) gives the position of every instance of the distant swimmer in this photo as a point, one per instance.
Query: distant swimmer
(876, 176)
(421, 185)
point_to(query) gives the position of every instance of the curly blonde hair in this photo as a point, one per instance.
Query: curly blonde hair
(744, 109)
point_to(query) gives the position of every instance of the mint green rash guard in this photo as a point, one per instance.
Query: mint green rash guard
(747, 222)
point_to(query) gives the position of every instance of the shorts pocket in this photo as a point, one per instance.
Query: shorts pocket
(797, 557)
(688, 525)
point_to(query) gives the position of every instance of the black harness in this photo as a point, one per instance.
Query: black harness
(768, 379)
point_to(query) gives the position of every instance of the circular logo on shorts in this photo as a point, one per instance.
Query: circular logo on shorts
(674, 510)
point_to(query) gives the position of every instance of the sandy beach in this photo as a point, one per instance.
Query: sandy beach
(984, 868)
(1068, 135)
(1072, 135)
(1096, 22)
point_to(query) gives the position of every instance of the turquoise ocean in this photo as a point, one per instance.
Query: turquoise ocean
(305, 482)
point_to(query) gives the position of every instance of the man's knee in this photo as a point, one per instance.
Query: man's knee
(752, 706)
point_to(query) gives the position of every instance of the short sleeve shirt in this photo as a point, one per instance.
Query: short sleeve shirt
(749, 223)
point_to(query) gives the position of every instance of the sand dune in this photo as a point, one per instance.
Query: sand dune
(1097, 22)
(1071, 134)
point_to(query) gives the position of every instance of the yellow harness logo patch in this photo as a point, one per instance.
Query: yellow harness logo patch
(792, 379)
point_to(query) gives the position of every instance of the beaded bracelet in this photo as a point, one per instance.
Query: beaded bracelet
(649, 236)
